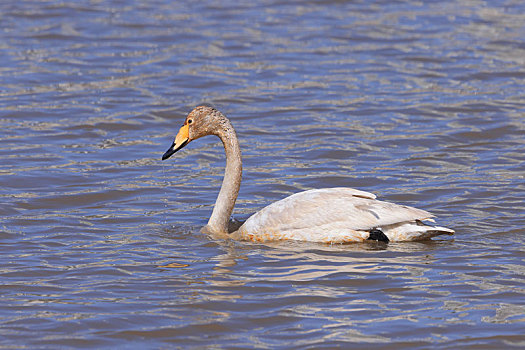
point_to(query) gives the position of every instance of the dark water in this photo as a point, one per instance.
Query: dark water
(421, 103)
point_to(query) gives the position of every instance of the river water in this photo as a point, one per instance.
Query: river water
(419, 102)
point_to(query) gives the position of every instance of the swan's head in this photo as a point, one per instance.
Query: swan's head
(200, 122)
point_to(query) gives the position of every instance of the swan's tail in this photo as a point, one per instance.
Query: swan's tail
(414, 231)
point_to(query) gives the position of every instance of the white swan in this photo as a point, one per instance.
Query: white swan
(330, 215)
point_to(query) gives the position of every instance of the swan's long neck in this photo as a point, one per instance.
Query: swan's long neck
(231, 183)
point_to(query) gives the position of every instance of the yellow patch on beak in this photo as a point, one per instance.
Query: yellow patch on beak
(181, 140)
(182, 136)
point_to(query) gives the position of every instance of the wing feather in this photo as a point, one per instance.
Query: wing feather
(338, 208)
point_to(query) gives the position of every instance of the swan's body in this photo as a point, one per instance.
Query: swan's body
(330, 215)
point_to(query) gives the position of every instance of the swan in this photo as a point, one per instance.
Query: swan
(328, 215)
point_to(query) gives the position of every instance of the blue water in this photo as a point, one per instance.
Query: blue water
(421, 103)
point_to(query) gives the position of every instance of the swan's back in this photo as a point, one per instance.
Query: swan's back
(333, 215)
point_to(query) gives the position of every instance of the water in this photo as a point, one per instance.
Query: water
(421, 103)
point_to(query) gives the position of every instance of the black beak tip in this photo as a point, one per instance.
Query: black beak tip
(168, 153)
(173, 149)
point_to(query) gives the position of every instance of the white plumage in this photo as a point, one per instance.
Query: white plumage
(336, 215)
(329, 215)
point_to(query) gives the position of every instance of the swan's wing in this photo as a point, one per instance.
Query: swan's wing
(330, 209)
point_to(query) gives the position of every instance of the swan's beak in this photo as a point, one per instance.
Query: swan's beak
(181, 140)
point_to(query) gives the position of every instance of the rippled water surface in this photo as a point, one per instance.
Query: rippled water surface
(421, 103)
